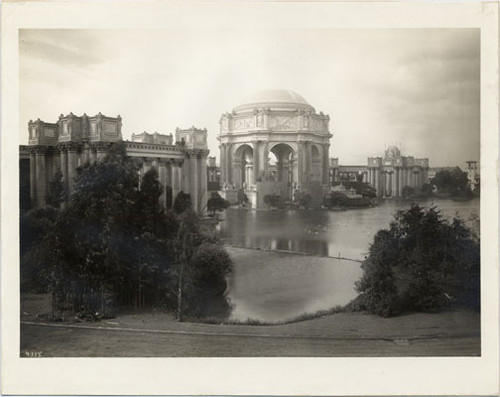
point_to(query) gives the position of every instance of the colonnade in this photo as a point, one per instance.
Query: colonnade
(302, 164)
(391, 181)
(188, 174)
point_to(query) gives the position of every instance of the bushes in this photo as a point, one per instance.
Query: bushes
(216, 203)
(114, 239)
(422, 262)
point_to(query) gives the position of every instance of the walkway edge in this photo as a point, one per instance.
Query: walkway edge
(230, 334)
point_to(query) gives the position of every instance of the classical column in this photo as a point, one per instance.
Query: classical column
(294, 169)
(202, 187)
(193, 179)
(249, 173)
(63, 153)
(33, 177)
(72, 164)
(102, 149)
(41, 176)
(377, 182)
(400, 191)
(325, 173)
(176, 178)
(307, 160)
(86, 150)
(256, 156)
(394, 183)
(222, 163)
(162, 178)
(265, 158)
(92, 153)
(229, 164)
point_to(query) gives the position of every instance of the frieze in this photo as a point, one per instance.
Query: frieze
(282, 123)
(243, 123)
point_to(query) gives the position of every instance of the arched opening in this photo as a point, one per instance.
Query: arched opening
(282, 155)
(315, 164)
(243, 167)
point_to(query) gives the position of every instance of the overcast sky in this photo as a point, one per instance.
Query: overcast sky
(417, 88)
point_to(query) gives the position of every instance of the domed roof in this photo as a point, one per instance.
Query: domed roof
(272, 99)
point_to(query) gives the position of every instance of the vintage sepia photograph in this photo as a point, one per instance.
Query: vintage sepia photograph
(205, 195)
(256, 193)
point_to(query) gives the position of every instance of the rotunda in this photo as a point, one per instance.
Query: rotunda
(273, 142)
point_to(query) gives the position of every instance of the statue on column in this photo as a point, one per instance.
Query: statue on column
(85, 125)
(260, 118)
(99, 124)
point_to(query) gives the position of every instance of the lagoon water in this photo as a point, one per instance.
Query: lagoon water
(270, 290)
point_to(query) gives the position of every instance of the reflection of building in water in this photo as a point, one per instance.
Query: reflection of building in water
(278, 124)
(75, 140)
(388, 175)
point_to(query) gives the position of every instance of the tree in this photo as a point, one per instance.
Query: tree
(216, 203)
(422, 262)
(182, 202)
(452, 182)
(201, 267)
(115, 240)
(56, 193)
(211, 265)
(407, 191)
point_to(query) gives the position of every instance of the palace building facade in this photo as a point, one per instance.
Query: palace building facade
(388, 174)
(277, 124)
(75, 140)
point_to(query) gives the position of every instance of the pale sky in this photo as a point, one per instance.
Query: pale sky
(418, 88)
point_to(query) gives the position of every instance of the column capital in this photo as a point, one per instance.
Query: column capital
(74, 146)
(177, 162)
(39, 149)
(196, 153)
(101, 146)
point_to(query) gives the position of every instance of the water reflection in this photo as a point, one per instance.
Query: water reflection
(267, 287)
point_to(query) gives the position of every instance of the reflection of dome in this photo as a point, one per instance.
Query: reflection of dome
(276, 99)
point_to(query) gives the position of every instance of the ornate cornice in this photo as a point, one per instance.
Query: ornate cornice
(101, 146)
(39, 149)
(195, 153)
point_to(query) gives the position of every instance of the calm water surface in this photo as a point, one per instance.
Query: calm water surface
(271, 290)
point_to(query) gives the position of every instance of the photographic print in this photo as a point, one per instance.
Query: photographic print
(208, 190)
(347, 223)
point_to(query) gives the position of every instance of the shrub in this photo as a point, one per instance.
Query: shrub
(422, 262)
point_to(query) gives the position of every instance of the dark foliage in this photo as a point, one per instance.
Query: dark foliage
(114, 243)
(273, 200)
(422, 262)
(407, 192)
(452, 182)
(216, 203)
(56, 193)
(182, 202)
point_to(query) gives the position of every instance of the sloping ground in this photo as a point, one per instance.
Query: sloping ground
(153, 333)
(147, 334)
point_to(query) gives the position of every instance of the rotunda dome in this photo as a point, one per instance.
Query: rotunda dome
(273, 99)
